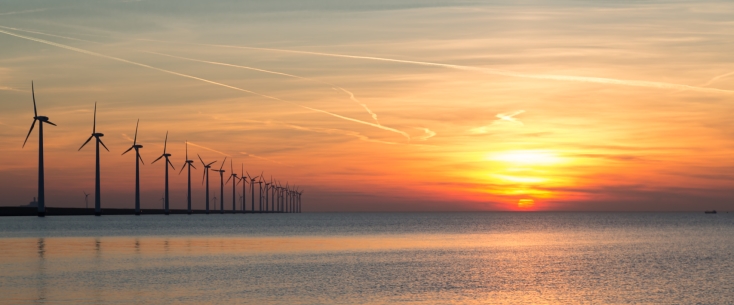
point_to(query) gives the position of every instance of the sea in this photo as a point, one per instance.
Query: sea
(370, 258)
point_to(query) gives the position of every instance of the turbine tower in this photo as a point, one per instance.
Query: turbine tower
(41, 177)
(267, 194)
(168, 162)
(97, 136)
(189, 164)
(138, 160)
(234, 184)
(206, 177)
(221, 186)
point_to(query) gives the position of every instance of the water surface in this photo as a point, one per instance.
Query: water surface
(404, 258)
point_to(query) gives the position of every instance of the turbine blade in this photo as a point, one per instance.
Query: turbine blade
(182, 168)
(187, 150)
(128, 150)
(202, 160)
(156, 160)
(85, 143)
(141, 159)
(100, 142)
(50, 123)
(192, 165)
(165, 142)
(94, 124)
(225, 160)
(230, 178)
(248, 175)
(211, 163)
(231, 169)
(33, 93)
(203, 176)
(135, 140)
(171, 164)
(29, 132)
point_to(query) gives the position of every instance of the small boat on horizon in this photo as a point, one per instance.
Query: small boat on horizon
(710, 212)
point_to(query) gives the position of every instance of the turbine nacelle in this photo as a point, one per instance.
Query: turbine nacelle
(137, 146)
(98, 134)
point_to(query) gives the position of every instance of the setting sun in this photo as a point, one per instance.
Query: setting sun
(525, 203)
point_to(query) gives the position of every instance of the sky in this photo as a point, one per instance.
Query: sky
(377, 105)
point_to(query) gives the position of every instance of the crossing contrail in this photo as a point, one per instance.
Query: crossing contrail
(351, 95)
(717, 78)
(585, 79)
(203, 80)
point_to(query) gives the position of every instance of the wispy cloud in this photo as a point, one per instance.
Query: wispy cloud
(572, 78)
(206, 81)
(47, 34)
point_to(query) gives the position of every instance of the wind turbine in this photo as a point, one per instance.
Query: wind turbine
(97, 136)
(260, 187)
(41, 179)
(244, 187)
(86, 199)
(234, 184)
(138, 159)
(206, 176)
(267, 194)
(221, 186)
(252, 190)
(168, 162)
(189, 164)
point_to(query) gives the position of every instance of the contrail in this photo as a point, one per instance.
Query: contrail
(25, 11)
(717, 78)
(52, 35)
(429, 134)
(266, 159)
(585, 79)
(510, 117)
(203, 80)
(351, 95)
(209, 149)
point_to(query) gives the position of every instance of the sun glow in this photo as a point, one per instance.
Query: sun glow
(525, 203)
(527, 157)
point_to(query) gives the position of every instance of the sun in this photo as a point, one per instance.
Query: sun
(525, 203)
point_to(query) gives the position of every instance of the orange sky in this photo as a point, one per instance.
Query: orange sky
(386, 106)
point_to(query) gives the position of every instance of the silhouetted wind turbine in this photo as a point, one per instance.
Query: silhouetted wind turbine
(260, 187)
(189, 164)
(41, 177)
(243, 179)
(96, 135)
(234, 184)
(267, 194)
(138, 159)
(221, 186)
(206, 176)
(252, 190)
(168, 162)
(86, 199)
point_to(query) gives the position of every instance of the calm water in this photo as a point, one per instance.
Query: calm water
(432, 258)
